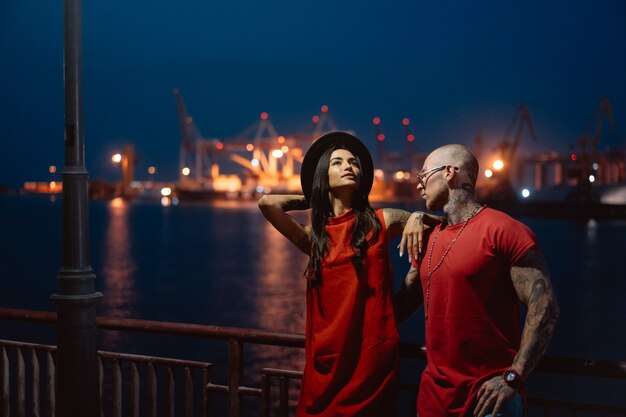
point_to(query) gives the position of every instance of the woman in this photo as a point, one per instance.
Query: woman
(351, 336)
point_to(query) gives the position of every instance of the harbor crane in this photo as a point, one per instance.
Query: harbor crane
(587, 154)
(499, 187)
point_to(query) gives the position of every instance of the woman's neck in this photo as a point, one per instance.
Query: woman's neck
(340, 205)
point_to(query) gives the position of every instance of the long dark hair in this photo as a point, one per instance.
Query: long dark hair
(321, 210)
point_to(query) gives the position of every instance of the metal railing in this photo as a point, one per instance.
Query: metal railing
(129, 383)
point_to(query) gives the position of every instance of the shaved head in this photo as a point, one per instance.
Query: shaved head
(456, 155)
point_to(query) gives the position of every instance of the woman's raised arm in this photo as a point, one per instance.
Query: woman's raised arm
(275, 207)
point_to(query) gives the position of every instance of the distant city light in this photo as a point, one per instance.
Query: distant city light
(166, 191)
(410, 137)
(254, 162)
(53, 185)
(324, 108)
(264, 116)
(488, 173)
(277, 153)
(219, 146)
(165, 201)
(316, 119)
(376, 120)
(595, 166)
(281, 139)
(249, 147)
(117, 158)
(379, 174)
(185, 171)
(525, 193)
(380, 137)
(399, 175)
(151, 170)
(285, 149)
(498, 164)
(573, 156)
(259, 189)
(405, 121)
(592, 178)
(52, 169)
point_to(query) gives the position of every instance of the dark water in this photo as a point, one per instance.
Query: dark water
(222, 264)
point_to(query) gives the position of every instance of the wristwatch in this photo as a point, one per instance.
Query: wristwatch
(513, 379)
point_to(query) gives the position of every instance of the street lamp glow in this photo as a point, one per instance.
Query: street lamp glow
(498, 164)
(488, 173)
(254, 162)
(185, 171)
(117, 158)
(592, 178)
(525, 193)
(151, 170)
(166, 191)
(277, 153)
(52, 169)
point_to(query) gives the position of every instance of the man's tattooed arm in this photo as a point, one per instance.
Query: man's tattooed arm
(532, 283)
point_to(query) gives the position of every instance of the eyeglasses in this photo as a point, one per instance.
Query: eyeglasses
(423, 176)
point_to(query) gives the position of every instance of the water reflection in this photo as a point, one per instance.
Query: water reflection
(118, 263)
(280, 295)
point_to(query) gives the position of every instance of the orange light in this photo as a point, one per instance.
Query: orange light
(249, 147)
(264, 116)
(410, 137)
(316, 119)
(405, 121)
(52, 169)
(573, 157)
(151, 170)
(219, 146)
(324, 108)
(281, 139)
(380, 137)
(376, 120)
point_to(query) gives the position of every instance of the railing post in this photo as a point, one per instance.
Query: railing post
(77, 370)
(235, 376)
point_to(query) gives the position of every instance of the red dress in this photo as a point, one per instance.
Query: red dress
(352, 341)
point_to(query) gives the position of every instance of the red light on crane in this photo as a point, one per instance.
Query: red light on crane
(324, 108)
(316, 119)
(573, 157)
(219, 146)
(376, 120)
(380, 137)
(410, 137)
(264, 116)
(405, 121)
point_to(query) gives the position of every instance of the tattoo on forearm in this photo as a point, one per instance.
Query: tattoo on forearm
(295, 205)
(531, 280)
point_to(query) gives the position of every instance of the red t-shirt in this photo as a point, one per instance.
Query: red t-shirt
(352, 341)
(472, 328)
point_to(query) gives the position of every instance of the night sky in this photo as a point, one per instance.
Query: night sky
(451, 67)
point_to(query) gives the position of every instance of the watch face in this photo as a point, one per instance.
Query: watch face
(509, 376)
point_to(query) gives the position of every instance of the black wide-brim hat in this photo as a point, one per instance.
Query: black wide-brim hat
(345, 140)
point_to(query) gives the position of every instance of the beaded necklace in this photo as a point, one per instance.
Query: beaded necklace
(445, 253)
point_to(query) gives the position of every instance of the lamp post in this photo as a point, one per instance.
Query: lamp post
(77, 392)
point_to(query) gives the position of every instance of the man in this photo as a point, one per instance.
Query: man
(478, 265)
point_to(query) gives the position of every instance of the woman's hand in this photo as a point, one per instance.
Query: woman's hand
(413, 235)
(417, 226)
